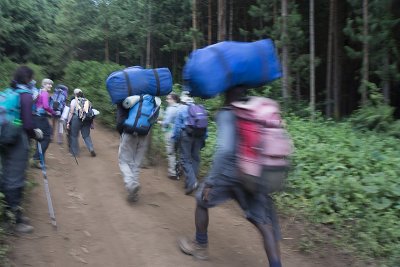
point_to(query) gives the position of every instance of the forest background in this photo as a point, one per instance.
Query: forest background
(340, 88)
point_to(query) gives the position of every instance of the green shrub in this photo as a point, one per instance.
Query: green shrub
(348, 180)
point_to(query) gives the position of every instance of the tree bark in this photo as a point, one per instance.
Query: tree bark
(194, 23)
(148, 42)
(209, 22)
(365, 63)
(329, 63)
(230, 34)
(221, 20)
(386, 80)
(312, 60)
(285, 52)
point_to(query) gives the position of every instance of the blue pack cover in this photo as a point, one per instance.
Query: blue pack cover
(142, 116)
(216, 68)
(138, 81)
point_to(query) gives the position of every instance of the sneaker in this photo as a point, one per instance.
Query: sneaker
(173, 177)
(23, 228)
(133, 194)
(190, 189)
(92, 153)
(192, 247)
(25, 220)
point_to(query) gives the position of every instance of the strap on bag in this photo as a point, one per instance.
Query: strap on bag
(158, 81)
(130, 91)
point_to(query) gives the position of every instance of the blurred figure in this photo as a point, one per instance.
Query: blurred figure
(223, 183)
(41, 114)
(14, 157)
(76, 124)
(189, 141)
(168, 126)
(58, 102)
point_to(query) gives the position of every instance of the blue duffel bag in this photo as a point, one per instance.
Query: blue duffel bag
(138, 81)
(216, 68)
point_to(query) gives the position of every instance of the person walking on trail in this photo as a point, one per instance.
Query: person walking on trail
(41, 113)
(15, 157)
(79, 120)
(132, 148)
(189, 144)
(223, 183)
(167, 125)
(57, 103)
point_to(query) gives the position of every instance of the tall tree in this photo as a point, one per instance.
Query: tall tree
(209, 24)
(312, 59)
(194, 22)
(221, 20)
(285, 51)
(365, 62)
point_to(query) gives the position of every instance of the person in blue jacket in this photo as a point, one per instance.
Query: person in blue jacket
(189, 145)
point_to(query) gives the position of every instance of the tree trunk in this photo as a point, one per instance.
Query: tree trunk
(312, 60)
(117, 54)
(230, 20)
(298, 88)
(329, 63)
(106, 49)
(209, 22)
(337, 56)
(221, 20)
(194, 23)
(386, 79)
(148, 42)
(365, 62)
(285, 52)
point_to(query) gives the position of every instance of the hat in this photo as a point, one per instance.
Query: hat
(77, 91)
(185, 98)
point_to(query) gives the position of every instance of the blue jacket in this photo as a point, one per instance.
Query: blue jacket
(169, 117)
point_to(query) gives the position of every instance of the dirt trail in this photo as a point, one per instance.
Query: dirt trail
(97, 227)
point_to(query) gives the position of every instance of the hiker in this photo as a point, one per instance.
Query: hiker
(79, 120)
(135, 117)
(223, 183)
(41, 114)
(14, 157)
(189, 143)
(58, 102)
(168, 125)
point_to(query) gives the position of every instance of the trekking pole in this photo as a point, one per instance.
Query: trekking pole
(46, 187)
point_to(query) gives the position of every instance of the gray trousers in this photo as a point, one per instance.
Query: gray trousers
(79, 126)
(130, 156)
(171, 153)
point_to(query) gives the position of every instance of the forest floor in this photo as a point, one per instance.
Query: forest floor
(98, 227)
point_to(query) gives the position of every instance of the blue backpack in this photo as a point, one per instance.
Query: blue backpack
(142, 116)
(10, 115)
(58, 100)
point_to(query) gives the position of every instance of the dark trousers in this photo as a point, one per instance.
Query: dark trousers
(42, 122)
(14, 161)
(190, 156)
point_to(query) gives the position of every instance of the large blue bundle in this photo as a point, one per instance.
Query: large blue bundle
(216, 68)
(138, 81)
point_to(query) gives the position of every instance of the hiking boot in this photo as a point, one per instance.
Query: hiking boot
(25, 220)
(192, 247)
(23, 228)
(92, 153)
(133, 194)
(190, 189)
